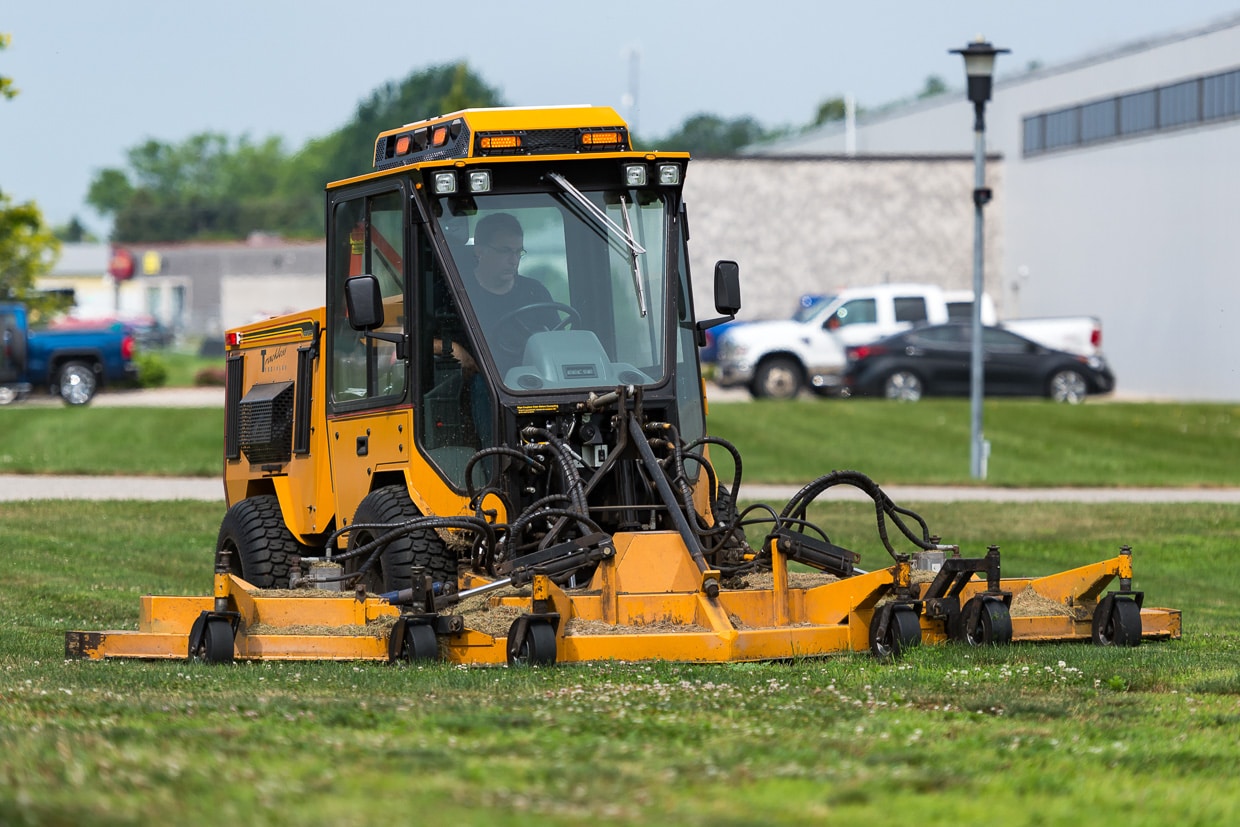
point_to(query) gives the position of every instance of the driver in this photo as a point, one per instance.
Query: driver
(497, 288)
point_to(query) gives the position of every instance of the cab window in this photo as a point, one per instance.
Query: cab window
(368, 237)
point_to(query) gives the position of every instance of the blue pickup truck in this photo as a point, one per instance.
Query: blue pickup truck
(72, 363)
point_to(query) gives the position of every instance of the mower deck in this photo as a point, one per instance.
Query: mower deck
(642, 603)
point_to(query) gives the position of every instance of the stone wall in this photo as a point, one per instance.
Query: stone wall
(817, 225)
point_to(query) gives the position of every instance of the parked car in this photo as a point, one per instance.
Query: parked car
(72, 363)
(779, 358)
(936, 360)
(807, 306)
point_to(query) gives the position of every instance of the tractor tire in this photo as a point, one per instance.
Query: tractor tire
(77, 383)
(779, 377)
(254, 532)
(393, 570)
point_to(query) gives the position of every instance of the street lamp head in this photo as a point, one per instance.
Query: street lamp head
(979, 66)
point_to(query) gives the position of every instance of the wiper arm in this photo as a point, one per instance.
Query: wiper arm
(634, 261)
(625, 235)
(594, 210)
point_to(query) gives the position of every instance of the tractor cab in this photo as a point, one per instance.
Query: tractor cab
(523, 290)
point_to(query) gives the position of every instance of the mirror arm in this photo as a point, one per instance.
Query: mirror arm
(399, 339)
(707, 324)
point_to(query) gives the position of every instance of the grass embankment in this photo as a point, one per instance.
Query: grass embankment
(1050, 734)
(1034, 443)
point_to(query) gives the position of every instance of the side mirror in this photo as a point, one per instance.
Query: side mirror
(727, 297)
(363, 302)
(727, 287)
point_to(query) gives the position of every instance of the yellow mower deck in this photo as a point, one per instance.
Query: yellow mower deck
(646, 601)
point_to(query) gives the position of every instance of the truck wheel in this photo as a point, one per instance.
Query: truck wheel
(903, 385)
(253, 531)
(1067, 386)
(391, 506)
(779, 377)
(77, 383)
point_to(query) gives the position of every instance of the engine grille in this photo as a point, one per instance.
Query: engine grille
(266, 423)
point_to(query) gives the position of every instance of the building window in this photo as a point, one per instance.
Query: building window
(1138, 112)
(1220, 96)
(1177, 105)
(1062, 128)
(1174, 106)
(1099, 121)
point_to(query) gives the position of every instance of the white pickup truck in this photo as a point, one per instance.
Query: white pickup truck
(778, 358)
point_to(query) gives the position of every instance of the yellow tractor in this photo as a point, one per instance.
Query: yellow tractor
(490, 446)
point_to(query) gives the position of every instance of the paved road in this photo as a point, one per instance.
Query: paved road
(18, 487)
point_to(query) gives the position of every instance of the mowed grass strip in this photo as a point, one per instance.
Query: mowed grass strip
(1034, 443)
(104, 441)
(1047, 734)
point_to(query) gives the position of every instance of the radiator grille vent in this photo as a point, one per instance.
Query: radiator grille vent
(266, 426)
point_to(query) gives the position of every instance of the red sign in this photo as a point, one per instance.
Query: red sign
(121, 266)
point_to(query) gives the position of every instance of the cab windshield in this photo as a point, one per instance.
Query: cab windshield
(567, 288)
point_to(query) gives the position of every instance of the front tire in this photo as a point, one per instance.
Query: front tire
(779, 377)
(260, 543)
(904, 386)
(393, 571)
(77, 383)
(1067, 386)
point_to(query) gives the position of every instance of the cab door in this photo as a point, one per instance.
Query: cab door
(368, 378)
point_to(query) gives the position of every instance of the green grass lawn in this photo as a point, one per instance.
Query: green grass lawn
(1025, 735)
(1034, 443)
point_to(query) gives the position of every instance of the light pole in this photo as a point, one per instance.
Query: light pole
(979, 66)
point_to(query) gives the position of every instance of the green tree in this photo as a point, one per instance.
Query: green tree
(27, 248)
(6, 84)
(935, 85)
(75, 231)
(707, 134)
(210, 186)
(832, 109)
(436, 90)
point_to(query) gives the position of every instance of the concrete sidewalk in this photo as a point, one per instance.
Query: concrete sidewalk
(18, 487)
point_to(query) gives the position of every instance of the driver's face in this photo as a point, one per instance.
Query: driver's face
(497, 262)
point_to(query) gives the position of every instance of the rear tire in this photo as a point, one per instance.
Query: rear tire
(903, 385)
(77, 383)
(1067, 386)
(254, 532)
(779, 377)
(393, 570)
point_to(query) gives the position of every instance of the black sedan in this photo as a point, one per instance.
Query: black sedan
(935, 360)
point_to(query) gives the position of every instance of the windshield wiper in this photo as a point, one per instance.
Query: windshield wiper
(625, 234)
(634, 262)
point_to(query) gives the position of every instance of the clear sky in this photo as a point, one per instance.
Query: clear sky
(98, 78)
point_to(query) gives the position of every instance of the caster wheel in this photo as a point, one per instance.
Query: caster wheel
(537, 647)
(215, 640)
(420, 643)
(1117, 622)
(903, 631)
(985, 623)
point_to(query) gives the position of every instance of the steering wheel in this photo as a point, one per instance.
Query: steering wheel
(518, 325)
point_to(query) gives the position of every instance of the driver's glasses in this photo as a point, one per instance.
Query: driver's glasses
(507, 252)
